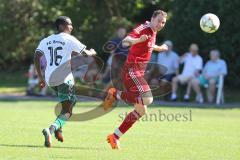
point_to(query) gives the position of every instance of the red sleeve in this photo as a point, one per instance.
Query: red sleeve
(136, 32)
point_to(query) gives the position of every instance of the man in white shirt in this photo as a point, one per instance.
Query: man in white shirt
(192, 67)
(58, 49)
(210, 76)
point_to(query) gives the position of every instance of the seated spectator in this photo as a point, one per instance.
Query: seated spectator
(86, 69)
(33, 79)
(167, 61)
(166, 68)
(210, 76)
(106, 76)
(192, 67)
(151, 68)
(116, 60)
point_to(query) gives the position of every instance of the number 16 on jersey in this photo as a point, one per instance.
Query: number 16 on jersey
(54, 57)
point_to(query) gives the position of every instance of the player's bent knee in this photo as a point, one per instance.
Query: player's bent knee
(212, 82)
(147, 100)
(195, 82)
(175, 80)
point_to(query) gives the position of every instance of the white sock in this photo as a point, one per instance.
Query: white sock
(118, 132)
(173, 96)
(186, 96)
(119, 95)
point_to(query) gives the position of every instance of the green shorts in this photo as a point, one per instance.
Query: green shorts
(65, 92)
(204, 82)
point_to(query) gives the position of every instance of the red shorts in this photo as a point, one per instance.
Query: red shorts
(133, 78)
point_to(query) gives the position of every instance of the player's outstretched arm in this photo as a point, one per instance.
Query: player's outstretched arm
(161, 48)
(129, 41)
(38, 68)
(90, 52)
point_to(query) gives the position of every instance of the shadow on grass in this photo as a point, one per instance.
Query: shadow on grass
(55, 147)
(157, 103)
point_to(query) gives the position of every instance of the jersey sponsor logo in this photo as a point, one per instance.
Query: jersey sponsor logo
(55, 42)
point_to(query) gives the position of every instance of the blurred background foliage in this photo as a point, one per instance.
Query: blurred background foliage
(24, 23)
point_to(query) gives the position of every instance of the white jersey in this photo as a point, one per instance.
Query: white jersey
(57, 49)
(191, 64)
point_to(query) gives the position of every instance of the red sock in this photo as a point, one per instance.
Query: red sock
(130, 97)
(131, 118)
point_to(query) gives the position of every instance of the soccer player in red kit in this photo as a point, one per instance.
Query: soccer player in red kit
(142, 41)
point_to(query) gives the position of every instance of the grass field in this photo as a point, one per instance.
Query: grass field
(211, 134)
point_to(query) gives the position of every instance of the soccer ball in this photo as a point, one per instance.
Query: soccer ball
(209, 23)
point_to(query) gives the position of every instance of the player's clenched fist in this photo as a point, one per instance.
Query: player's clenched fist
(164, 47)
(93, 52)
(161, 48)
(42, 84)
(143, 38)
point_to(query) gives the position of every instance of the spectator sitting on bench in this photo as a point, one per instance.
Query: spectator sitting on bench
(167, 68)
(192, 67)
(210, 76)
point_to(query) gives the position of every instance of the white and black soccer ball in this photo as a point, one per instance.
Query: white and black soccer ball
(209, 23)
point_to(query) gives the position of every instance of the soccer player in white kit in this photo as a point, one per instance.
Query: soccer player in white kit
(58, 49)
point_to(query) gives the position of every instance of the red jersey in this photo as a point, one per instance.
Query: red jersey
(141, 52)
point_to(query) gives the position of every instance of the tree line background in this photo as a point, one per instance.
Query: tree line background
(24, 23)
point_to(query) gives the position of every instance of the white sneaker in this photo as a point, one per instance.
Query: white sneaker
(48, 137)
(186, 97)
(173, 97)
(199, 99)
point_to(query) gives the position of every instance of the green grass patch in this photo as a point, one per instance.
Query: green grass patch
(11, 90)
(13, 82)
(211, 134)
(13, 79)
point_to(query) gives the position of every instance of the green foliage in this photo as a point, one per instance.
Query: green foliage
(25, 22)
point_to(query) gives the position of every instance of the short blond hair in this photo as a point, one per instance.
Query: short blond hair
(159, 12)
(193, 46)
